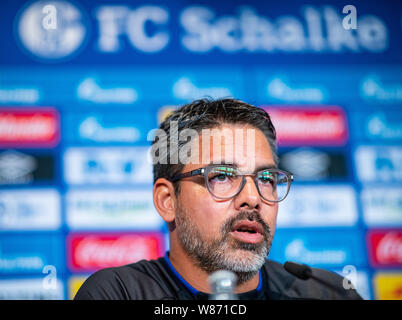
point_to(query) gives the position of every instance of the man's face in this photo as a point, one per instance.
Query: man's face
(215, 232)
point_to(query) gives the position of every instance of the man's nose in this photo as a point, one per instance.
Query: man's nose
(248, 197)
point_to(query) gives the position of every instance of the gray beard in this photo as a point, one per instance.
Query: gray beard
(224, 252)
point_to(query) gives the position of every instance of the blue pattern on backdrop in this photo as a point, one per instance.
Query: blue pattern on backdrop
(112, 81)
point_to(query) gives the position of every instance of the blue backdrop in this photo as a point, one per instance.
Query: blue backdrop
(82, 83)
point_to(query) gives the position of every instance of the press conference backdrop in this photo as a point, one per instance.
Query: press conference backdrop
(82, 83)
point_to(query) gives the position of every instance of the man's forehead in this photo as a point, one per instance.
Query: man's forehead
(244, 147)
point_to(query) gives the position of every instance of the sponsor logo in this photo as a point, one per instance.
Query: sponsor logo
(30, 209)
(29, 254)
(297, 250)
(16, 167)
(108, 128)
(89, 90)
(74, 284)
(382, 206)
(30, 289)
(10, 263)
(373, 89)
(381, 163)
(114, 165)
(29, 128)
(111, 209)
(326, 248)
(25, 168)
(318, 206)
(19, 95)
(184, 88)
(278, 89)
(57, 40)
(388, 285)
(91, 129)
(91, 252)
(313, 165)
(385, 248)
(313, 127)
(378, 126)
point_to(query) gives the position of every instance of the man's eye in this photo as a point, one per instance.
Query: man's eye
(266, 178)
(221, 177)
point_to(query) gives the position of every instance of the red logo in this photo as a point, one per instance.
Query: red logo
(90, 252)
(29, 127)
(385, 248)
(315, 126)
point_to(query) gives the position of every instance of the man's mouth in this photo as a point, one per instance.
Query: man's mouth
(248, 231)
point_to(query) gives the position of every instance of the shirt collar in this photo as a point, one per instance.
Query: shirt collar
(184, 282)
(190, 287)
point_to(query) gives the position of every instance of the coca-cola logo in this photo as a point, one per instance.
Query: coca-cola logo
(385, 248)
(29, 127)
(92, 252)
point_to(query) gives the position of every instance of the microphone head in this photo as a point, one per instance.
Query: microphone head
(223, 284)
(299, 270)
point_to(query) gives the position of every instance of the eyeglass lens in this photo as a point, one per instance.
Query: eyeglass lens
(226, 182)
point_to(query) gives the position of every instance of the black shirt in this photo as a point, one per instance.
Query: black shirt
(155, 280)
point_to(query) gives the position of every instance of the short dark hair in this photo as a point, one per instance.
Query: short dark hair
(209, 114)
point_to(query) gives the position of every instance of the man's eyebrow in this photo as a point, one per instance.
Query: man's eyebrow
(259, 168)
(267, 166)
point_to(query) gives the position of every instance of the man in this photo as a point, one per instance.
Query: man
(218, 187)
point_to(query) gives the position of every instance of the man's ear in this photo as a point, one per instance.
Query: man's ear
(165, 199)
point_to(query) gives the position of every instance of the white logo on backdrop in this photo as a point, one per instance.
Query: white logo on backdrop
(372, 88)
(16, 167)
(387, 200)
(318, 206)
(30, 209)
(279, 89)
(89, 90)
(57, 29)
(92, 129)
(382, 163)
(51, 34)
(13, 262)
(306, 163)
(184, 88)
(30, 289)
(111, 209)
(296, 250)
(378, 126)
(19, 95)
(112, 165)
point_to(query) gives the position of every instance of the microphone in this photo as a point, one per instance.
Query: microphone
(223, 283)
(304, 272)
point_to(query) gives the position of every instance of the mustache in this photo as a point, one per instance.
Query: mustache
(246, 215)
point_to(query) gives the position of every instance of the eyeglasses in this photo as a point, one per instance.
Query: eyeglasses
(225, 182)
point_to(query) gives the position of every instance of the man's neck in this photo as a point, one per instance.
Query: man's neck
(197, 277)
